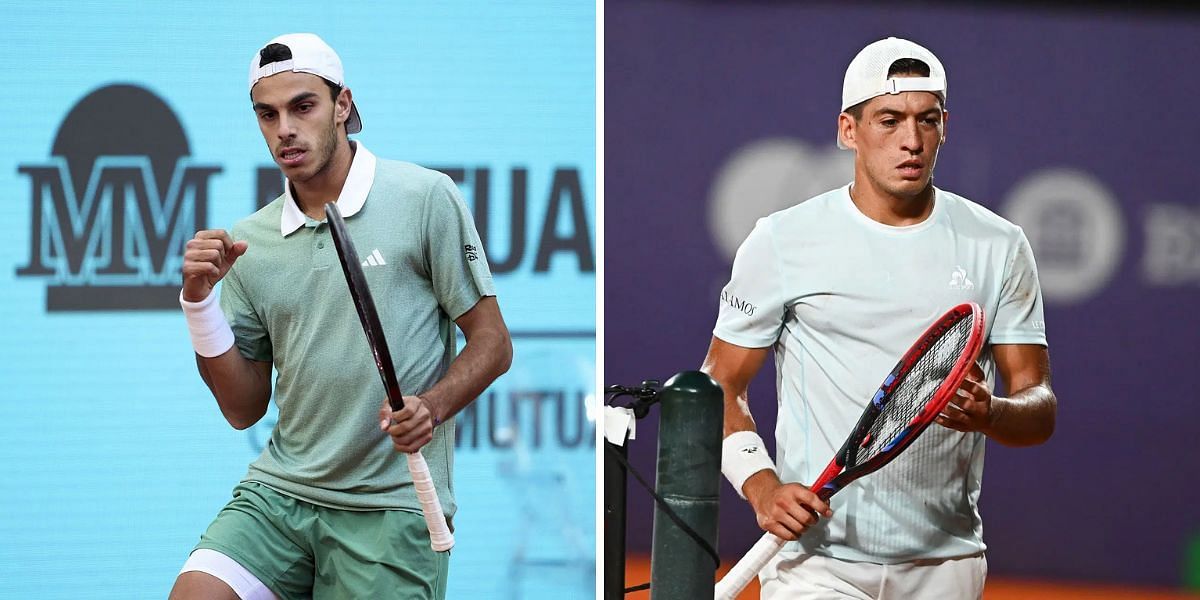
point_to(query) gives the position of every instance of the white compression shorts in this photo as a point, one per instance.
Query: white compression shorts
(243, 582)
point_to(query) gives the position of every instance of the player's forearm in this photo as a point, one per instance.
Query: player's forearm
(733, 367)
(1024, 419)
(737, 414)
(486, 356)
(241, 388)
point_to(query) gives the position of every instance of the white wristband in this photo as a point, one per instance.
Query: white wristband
(742, 455)
(211, 334)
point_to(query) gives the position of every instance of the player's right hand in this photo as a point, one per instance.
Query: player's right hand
(784, 509)
(206, 259)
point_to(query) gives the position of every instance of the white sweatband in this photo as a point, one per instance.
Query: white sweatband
(742, 455)
(211, 334)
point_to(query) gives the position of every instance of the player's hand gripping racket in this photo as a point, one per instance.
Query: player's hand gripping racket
(910, 398)
(439, 532)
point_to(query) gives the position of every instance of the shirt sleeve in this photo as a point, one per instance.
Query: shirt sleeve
(249, 333)
(457, 264)
(1019, 317)
(752, 305)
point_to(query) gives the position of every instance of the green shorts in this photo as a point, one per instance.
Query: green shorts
(301, 550)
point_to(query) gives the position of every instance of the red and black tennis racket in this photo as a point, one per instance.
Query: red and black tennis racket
(439, 532)
(911, 397)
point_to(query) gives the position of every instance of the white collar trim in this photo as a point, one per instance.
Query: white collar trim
(350, 201)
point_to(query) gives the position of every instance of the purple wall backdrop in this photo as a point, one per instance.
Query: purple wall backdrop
(1079, 125)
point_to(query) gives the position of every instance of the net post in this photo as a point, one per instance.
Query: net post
(615, 480)
(689, 470)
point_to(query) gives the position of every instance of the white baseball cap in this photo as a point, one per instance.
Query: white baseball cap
(867, 75)
(310, 54)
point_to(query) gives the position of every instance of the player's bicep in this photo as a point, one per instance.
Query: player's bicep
(484, 321)
(262, 375)
(1022, 366)
(733, 366)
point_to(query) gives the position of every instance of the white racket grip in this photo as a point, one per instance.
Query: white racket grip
(748, 567)
(439, 532)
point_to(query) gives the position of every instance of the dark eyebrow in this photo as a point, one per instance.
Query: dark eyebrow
(298, 98)
(896, 113)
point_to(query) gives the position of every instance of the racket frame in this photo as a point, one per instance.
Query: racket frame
(842, 470)
(440, 537)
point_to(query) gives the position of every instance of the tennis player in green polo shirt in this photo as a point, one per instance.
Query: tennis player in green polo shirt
(328, 509)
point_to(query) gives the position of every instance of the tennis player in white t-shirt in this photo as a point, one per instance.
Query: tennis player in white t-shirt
(840, 285)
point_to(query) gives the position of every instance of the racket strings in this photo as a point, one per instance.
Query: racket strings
(915, 390)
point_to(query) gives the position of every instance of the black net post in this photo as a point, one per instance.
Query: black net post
(614, 521)
(689, 471)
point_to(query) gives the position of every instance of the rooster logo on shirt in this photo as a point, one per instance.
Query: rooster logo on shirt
(959, 281)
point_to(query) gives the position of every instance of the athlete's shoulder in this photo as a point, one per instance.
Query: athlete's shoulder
(409, 176)
(965, 213)
(810, 211)
(780, 231)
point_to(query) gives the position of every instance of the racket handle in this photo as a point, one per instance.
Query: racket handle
(748, 567)
(440, 537)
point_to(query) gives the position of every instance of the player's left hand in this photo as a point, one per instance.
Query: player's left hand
(411, 427)
(971, 408)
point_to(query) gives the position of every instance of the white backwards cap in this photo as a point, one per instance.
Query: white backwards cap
(867, 75)
(310, 54)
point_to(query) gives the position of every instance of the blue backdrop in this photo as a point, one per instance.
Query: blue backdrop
(113, 455)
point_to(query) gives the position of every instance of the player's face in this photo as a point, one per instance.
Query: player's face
(299, 121)
(897, 141)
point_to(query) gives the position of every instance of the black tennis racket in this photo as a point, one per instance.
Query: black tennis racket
(911, 397)
(439, 532)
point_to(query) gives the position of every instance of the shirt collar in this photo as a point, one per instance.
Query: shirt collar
(350, 201)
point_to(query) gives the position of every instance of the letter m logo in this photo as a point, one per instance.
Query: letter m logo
(119, 245)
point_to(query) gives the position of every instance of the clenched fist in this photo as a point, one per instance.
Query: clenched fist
(206, 259)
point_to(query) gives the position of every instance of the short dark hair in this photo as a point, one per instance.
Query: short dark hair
(273, 53)
(905, 66)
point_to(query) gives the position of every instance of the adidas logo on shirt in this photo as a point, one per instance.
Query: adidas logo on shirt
(374, 259)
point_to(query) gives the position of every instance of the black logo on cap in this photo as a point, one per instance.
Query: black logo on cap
(115, 204)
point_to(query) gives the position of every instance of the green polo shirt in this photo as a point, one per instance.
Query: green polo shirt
(288, 304)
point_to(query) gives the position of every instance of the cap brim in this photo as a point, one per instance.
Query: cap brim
(354, 123)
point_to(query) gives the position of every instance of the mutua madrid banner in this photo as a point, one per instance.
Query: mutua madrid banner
(113, 205)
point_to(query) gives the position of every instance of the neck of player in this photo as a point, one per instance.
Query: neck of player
(889, 208)
(326, 185)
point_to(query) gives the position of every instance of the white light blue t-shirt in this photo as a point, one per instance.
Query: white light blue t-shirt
(841, 297)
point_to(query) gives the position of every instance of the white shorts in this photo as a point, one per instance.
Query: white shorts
(791, 576)
(243, 582)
